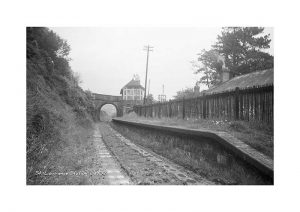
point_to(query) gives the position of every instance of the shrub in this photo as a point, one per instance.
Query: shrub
(55, 103)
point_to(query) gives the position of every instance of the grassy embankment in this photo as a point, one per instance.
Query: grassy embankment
(256, 135)
(58, 112)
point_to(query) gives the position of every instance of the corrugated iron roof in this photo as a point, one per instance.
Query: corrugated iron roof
(258, 78)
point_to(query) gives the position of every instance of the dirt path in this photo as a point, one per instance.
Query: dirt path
(128, 163)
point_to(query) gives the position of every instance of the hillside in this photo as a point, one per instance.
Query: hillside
(58, 111)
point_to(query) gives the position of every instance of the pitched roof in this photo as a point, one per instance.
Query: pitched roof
(258, 78)
(133, 84)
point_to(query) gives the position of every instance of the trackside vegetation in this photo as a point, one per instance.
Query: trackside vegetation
(257, 135)
(59, 114)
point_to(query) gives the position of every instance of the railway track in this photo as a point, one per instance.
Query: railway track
(127, 163)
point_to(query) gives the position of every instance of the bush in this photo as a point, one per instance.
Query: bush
(55, 103)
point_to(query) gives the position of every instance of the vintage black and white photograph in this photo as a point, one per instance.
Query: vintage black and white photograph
(150, 106)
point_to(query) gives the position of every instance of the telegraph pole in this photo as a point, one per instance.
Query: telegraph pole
(148, 49)
(149, 87)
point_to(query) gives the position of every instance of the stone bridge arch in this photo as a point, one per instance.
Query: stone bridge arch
(100, 100)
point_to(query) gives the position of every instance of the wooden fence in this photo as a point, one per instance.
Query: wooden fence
(249, 104)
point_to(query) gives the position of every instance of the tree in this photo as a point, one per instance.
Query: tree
(186, 93)
(49, 41)
(243, 48)
(150, 99)
(54, 49)
(210, 67)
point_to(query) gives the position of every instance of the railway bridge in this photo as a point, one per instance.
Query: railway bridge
(101, 99)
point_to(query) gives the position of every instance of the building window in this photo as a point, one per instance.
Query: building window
(129, 92)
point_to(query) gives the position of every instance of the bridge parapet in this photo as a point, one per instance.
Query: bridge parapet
(107, 97)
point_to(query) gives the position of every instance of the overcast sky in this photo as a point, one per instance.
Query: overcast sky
(107, 58)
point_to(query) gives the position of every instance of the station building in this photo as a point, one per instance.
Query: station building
(132, 94)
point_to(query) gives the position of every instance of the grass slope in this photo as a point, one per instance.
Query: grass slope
(59, 118)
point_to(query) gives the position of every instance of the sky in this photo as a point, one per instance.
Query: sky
(106, 58)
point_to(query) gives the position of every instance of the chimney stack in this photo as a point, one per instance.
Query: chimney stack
(225, 75)
(196, 89)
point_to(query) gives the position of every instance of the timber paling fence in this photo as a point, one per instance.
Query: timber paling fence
(249, 104)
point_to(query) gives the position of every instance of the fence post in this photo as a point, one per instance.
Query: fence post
(236, 102)
(204, 106)
(183, 108)
(159, 110)
(146, 110)
(170, 109)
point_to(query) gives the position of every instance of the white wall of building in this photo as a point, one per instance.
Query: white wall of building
(133, 94)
